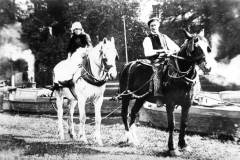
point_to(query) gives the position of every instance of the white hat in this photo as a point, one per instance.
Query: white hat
(76, 25)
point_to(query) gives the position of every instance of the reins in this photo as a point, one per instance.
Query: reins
(176, 68)
(133, 94)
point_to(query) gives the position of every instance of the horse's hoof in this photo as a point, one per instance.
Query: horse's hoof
(130, 143)
(72, 135)
(129, 138)
(174, 153)
(136, 142)
(61, 136)
(83, 139)
(186, 149)
(100, 143)
(123, 144)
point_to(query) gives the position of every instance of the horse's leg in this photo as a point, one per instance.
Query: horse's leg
(184, 118)
(98, 119)
(82, 119)
(71, 130)
(124, 112)
(171, 124)
(59, 103)
(135, 109)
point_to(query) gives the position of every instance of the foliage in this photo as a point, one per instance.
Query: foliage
(100, 18)
(215, 16)
(46, 29)
(7, 9)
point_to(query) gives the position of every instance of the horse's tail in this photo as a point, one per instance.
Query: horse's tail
(54, 88)
(122, 79)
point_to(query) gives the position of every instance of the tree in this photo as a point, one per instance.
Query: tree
(7, 12)
(216, 16)
(100, 18)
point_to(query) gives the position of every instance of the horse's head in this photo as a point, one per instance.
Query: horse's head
(197, 49)
(109, 55)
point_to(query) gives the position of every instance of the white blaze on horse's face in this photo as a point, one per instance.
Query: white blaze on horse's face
(203, 44)
(109, 54)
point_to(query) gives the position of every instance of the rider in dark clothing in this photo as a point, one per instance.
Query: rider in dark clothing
(82, 40)
(79, 39)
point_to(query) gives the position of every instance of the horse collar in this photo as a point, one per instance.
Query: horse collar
(89, 77)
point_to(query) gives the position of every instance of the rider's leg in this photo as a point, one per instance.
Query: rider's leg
(157, 84)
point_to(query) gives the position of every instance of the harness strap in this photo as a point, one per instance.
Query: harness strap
(177, 69)
(87, 75)
(127, 92)
(91, 79)
(191, 80)
(178, 57)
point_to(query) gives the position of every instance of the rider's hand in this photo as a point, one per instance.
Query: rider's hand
(162, 53)
(169, 53)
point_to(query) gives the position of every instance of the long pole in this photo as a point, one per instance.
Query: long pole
(12, 74)
(125, 38)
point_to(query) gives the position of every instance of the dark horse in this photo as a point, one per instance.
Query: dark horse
(177, 86)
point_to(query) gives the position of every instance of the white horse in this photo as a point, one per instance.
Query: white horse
(98, 67)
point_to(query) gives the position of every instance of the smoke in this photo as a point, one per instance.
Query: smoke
(223, 73)
(13, 49)
(146, 9)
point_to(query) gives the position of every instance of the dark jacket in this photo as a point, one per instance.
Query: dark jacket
(76, 41)
(155, 41)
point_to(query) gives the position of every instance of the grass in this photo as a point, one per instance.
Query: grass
(35, 137)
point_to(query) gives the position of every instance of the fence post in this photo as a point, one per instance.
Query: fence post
(125, 38)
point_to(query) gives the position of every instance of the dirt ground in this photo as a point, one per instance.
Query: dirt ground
(35, 137)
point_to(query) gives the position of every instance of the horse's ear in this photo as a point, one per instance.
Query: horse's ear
(112, 40)
(201, 33)
(104, 40)
(187, 34)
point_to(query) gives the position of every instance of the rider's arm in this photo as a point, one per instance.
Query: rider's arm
(89, 41)
(70, 47)
(147, 46)
(171, 45)
(149, 52)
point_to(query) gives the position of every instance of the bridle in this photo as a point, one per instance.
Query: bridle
(102, 66)
(177, 73)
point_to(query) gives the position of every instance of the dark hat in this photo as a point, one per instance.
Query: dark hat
(153, 19)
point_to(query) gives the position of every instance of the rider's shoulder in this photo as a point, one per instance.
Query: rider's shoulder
(147, 38)
(163, 35)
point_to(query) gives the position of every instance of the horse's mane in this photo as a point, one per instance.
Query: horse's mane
(184, 45)
(94, 50)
